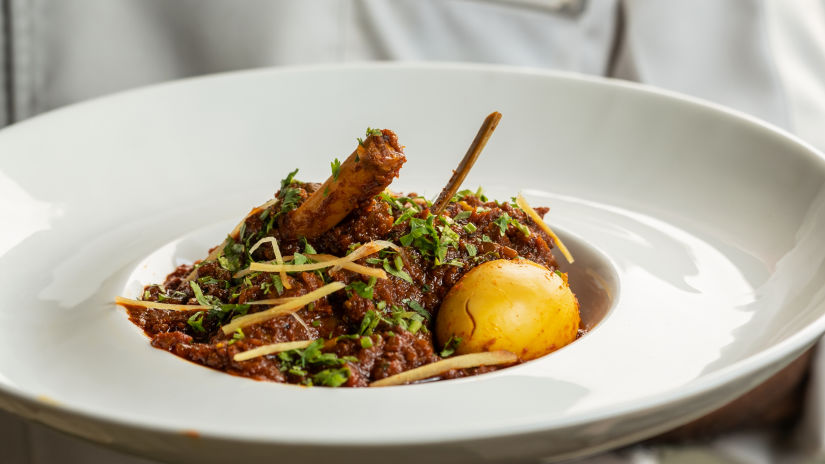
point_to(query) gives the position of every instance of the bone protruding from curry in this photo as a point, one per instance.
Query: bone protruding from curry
(365, 173)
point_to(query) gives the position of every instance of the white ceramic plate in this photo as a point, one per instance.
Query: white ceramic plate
(706, 228)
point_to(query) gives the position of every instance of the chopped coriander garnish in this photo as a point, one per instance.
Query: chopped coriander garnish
(485, 238)
(289, 196)
(331, 377)
(369, 323)
(232, 256)
(196, 322)
(287, 181)
(336, 168)
(238, 335)
(376, 132)
(364, 290)
(425, 237)
(471, 249)
(410, 212)
(397, 269)
(295, 370)
(450, 346)
(416, 306)
(505, 220)
(308, 249)
(414, 325)
(461, 194)
(298, 258)
(502, 222)
(276, 281)
(206, 300)
(462, 215)
(410, 321)
(524, 230)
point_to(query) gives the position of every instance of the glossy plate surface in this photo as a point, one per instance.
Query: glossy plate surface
(706, 228)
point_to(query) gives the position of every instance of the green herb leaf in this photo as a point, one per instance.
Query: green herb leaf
(222, 312)
(462, 215)
(450, 346)
(410, 212)
(471, 249)
(207, 280)
(287, 181)
(524, 230)
(414, 325)
(364, 290)
(238, 335)
(276, 281)
(416, 306)
(369, 323)
(242, 231)
(308, 249)
(336, 168)
(203, 299)
(366, 342)
(502, 222)
(331, 377)
(398, 270)
(298, 259)
(312, 355)
(232, 255)
(295, 370)
(196, 322)
(289, 196)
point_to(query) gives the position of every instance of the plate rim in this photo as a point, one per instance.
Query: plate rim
(749, 365)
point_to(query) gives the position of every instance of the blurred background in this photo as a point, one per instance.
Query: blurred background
(762, 57)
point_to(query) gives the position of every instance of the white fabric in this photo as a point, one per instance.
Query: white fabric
(763, 57)
(66, 51)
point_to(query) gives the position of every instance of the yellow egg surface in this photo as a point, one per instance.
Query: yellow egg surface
(514, 305)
